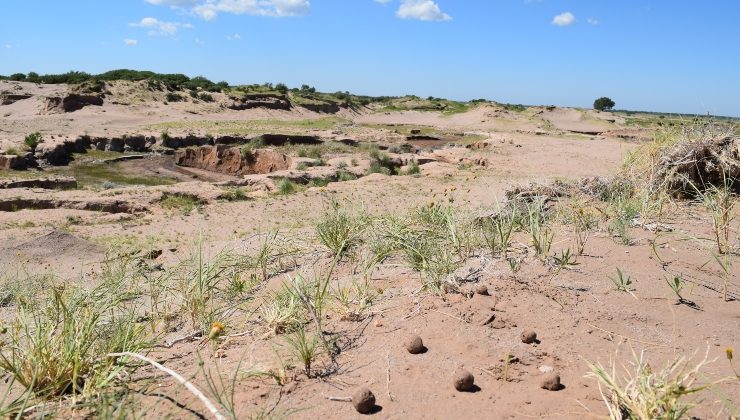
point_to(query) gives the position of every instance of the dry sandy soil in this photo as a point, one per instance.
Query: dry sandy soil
(576, 312)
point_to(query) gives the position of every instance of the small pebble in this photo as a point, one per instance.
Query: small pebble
(551, 382)
(529, 337)
(363, 400)
(414, 344)
(464, 381)
(482, 290)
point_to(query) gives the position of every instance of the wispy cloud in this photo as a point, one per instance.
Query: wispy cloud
(130, 42)
(383, 1)
(564, 19)
(158, 27)
(8, 46)
(592, 21)
(234, 37)
(210, 9)
(426, 10)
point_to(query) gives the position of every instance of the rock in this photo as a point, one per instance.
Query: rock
(551, 382)
(8, 98)
(464, 381)
(529, 337)
(61, 183)
(482, 290)
(545, 369)
(260, 100)
(231, 160)
(363, 400)
(70, 103)
(414, 344)
(12, 162)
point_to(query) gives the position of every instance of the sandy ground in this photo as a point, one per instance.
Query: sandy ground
(576, 313)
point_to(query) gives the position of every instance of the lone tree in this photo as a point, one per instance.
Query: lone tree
(604, 104)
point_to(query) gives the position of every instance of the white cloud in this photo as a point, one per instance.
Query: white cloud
(199, 41)
(426, 10)
(592, 21)
(130, 42)
(8, 46)
(564, 19)
(275, 8)
(234, 37)
(383, 1)
(158, 27)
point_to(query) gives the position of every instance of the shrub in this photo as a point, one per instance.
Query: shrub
(285, 187)
(32, 141)
(185, 203)
(206, 97)
(346, 176)
(413, 168)
(174, 97)
(603, 104)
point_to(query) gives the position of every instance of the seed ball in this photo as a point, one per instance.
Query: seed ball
(464, 381)
(529, 337)
(482, 290)
(414, 345)
(363, 400)
(551, 382)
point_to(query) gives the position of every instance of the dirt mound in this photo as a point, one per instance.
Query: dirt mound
(231, 160)
(54, 244)
(695, 165)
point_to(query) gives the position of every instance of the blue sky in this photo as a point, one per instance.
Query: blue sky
(657, 55)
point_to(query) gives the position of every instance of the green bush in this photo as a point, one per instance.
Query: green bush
(32, 141)
(286, 187)
(174, 97)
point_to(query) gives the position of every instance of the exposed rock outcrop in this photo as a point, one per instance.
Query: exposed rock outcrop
(124, 144)
(70, 103)
(231, 160)
(258, 100)
(107, 206)
(61, 153)
(61, 183)
(12, 162)
(10, 98)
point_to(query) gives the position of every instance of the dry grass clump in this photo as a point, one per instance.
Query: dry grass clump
(693, 156)
(642, 393)
(56, 341)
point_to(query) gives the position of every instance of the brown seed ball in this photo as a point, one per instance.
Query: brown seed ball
(414, 345)
(551, 382)
(464, 381)
(364, 400)
(482, 290)
(529, 337)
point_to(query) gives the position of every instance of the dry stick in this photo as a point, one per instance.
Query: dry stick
(195, 391)
(388, 376)
(628, 338)
(451, 316)
(487, 372)
(340, 399)
(189, 337)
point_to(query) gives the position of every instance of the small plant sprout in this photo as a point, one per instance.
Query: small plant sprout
(564, 260)
(515, 264)
(622, 282)
(304, 348)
